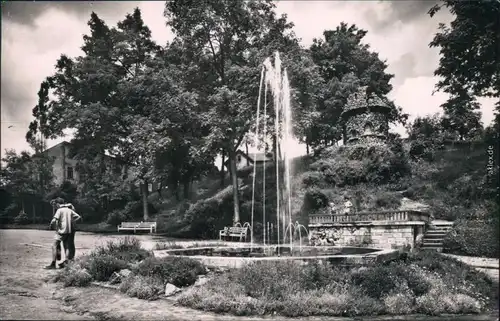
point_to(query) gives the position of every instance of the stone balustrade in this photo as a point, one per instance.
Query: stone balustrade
(394, 216)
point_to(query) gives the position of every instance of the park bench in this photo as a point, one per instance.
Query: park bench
(137, 226)
(240, 232)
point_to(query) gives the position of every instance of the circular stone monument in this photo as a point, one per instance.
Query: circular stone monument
(365, 118)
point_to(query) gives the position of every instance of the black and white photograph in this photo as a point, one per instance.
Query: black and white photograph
(250, 160)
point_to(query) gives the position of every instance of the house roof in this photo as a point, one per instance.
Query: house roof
(255, 158)
(259, 157)
(66, 143)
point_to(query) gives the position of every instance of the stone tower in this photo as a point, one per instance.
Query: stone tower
(365, 118)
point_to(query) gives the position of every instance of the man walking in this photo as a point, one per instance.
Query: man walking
(65, 219)
(71, 236)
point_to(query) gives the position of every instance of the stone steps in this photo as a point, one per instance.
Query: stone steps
(434, 236)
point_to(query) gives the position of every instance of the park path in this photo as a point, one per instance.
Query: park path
(25, 294)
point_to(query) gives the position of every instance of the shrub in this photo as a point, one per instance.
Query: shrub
(142, 287)
(399, 302)
(313, 179)
(315, 199)
(127, 249)
(357, 164)
(207, 216)
(116, 217)
(439, 301)
(422, 149)
(179, 271)
(474, 238)
(101, 267)
(74, 275)
(377, 281)
(388, 201)
(22, 218)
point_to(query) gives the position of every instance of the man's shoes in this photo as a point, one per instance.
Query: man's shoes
(63, 264)
(52, 266)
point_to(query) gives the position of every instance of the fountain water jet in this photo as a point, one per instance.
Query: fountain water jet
(277, 80)
(296, 229)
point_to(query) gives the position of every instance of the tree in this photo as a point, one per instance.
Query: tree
(461, 117)
(469, 66)
(345, 63)
(224, 44)
(428, 128)
(469, 48)
(28, 178)
(99, 94)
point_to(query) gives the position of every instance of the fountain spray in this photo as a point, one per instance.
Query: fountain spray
(264, 167)
(277, 79)
(255, 155)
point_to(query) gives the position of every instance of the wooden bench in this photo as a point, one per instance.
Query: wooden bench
(137, 226)
(240, 232)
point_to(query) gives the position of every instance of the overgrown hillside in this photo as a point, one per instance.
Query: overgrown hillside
(453, 182)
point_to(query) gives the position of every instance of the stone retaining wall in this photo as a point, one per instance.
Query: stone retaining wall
(383, 235)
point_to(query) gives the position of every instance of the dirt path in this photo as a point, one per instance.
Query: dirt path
(24, 294)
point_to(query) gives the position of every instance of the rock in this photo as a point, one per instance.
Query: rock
(115, 278)
(85, 271)
(201, 280)
(171, 289)
(124, 273)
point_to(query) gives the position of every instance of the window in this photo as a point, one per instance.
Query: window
(150, 187)
(239, 158)
(368, 128)
(70, 173)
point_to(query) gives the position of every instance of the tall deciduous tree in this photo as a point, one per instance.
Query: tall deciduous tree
(92, 93)
(345, 63)
(226, 43)
(469, 66)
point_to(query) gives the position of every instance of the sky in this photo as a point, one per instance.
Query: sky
(35, 34)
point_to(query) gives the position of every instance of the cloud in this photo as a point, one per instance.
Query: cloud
(27, 12)
(29, 53)
(400, 12)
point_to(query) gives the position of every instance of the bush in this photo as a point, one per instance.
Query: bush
(313, 179)
(421, 149)
(101, 267)
(207, 216)
(352, 165)
(127, 249)
(22, 219)
(388, 201)
(315, 199)
(142, 287)
(74, 274)
(179, 271)
(376, 282)
(474, 238)
(116, 217)
(113, 257)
